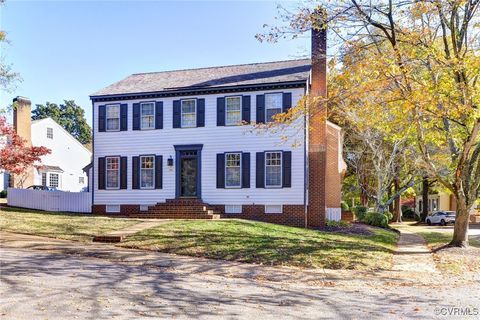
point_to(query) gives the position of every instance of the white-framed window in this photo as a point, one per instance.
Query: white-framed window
(147, 115)
(273, 169)
(53, 180)
(143, 208)
(233, 170)
(189, 113)
(81, 180)
(49, 133)
(147, 172)
(273, 105)
(113, 172)
(233, 208)
(274, 208)
(44, 178)
(113, 117)
(233, 110)
(112, 208)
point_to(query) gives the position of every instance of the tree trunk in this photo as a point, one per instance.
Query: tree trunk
(398, 209)
(363, 197)
(460, 231)
(425, 191)
(391, 207)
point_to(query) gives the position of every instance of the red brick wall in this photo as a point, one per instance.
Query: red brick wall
(125, 209)
(292, 215)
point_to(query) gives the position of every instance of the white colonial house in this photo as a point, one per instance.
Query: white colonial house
(63, 167)
(183, 144)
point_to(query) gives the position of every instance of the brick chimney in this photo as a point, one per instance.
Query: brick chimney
(317, 138)
(22, 122)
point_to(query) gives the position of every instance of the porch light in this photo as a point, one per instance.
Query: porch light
(170, 162)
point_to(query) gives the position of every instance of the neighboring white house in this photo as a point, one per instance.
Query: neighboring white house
(63, 167)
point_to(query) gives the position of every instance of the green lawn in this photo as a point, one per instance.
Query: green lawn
(438, 239)
(59, 225)
(257, 242)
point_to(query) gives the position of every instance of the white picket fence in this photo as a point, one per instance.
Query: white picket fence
(50, 200)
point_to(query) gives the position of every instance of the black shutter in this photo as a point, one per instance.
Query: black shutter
(101, 173)
(176, 114)
(123, 172)
(246, 109)
(246, 170)
(220, 111)
(260, 108)
(136, 116)
(123, 117)
(287, 101)
(159, 115)
(260, 172)
(135, 173)
(102, 116)
(220, 170)
(200, 112)
(158, 172)
(287, 169)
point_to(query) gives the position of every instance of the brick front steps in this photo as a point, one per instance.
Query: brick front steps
(179, 209)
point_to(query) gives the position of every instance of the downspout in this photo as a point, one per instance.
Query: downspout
(305, 157)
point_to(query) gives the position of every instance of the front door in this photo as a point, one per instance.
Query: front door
(189, 173)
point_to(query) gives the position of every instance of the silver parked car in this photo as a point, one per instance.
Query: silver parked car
(441, 217)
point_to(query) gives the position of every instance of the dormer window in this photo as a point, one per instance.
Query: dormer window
(49, 133)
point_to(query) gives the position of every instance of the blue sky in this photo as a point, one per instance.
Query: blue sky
(68, 50)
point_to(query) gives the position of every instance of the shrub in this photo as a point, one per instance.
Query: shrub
(344, 206)
(360, 212)
(389, 215)
(409, 213)
(3, 194)
(377, 219)
(338, 224)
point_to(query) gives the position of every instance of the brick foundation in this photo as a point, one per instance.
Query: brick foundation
(292, 215)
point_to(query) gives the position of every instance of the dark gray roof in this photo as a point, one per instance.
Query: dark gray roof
(214, 77)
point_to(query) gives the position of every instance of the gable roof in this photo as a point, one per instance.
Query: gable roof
(213, 77)
(49, 119)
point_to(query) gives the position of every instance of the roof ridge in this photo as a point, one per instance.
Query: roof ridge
(224, 66)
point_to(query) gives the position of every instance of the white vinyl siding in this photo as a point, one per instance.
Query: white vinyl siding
(113, 172)
(189, 113)
(273, 169)
(113, 117)
(215, 140)
(233, 111)
(273, 105)
(233, 170)
(147, 115)
(147, 172)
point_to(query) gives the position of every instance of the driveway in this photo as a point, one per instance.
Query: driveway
(473, 232)
(102, 282)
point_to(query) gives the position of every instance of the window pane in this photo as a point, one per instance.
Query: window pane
(112, 163)
(54, 180)
(273, 105)
(146, 178)
(188, 106)
(273, 169)
(113, 111)
(112, 178)
(113, 124)
(189, 113)
(188, 120)
(233, 110)
(233, 170)
(147, 109)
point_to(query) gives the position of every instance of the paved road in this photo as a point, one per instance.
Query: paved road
(37, 283)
